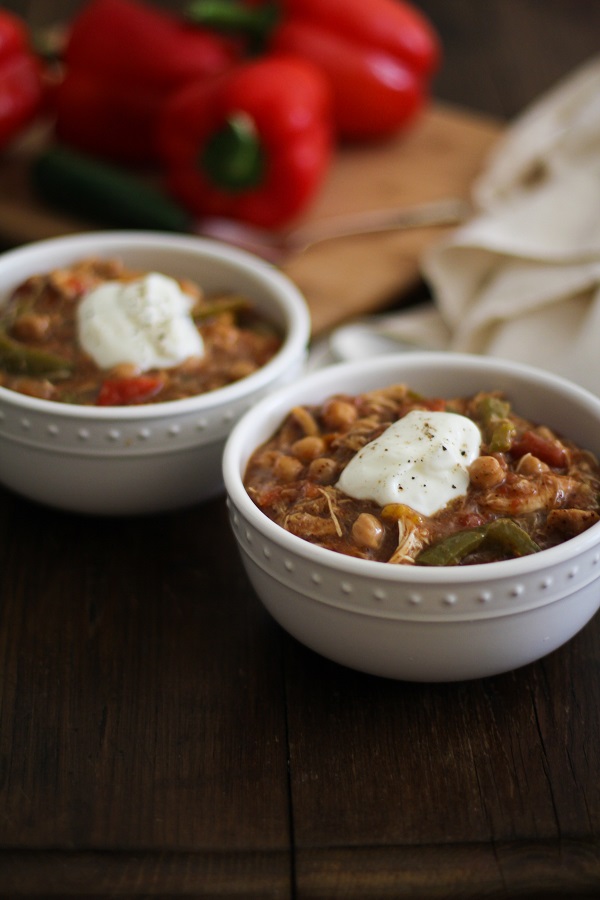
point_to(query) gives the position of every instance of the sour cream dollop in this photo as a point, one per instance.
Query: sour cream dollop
(146, 322)
(421, 461)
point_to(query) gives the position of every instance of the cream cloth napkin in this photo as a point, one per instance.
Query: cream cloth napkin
(521, 279)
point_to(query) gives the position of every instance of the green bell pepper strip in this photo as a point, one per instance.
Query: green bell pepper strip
(510, 536)
(502, 437)
(17, 358)
(504, 533)
(489, 408)
(233, 304)
(453, 549)
(499, 431)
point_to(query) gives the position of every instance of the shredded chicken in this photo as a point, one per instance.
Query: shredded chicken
(316, 516)
(411, 540)
(519, 495)
(412, 532)
(334, 518)
(361, 432)
(308, 526)
(569, 522)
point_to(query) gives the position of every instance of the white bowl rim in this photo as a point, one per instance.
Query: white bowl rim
(294, 345)
(412, 575)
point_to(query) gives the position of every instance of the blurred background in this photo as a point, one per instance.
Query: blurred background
(537, 48)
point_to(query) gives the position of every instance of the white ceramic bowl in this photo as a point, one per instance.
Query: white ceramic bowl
(142, 459)
(410, 622)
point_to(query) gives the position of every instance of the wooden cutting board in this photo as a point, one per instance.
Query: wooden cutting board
(346, 277)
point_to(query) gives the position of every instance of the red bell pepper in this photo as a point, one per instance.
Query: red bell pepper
(253, 144)
(21, 78)
(549, 451)
(379, 55)
(92, 116)
(122, 59)
(127, 391)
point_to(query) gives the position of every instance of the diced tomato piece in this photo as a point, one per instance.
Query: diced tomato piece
(550, 452)
(75, 286)
(436, 404)
(125, 391)
(469, 519)
(310, 490)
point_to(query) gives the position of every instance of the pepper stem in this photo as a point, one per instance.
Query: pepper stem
(232, 17)
(233, 157)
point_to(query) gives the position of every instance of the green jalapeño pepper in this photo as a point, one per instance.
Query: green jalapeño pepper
(253, 144)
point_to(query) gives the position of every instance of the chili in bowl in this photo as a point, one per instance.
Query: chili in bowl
(125, 359)
(423, 516)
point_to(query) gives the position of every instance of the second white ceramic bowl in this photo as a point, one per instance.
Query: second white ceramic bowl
(411, 622)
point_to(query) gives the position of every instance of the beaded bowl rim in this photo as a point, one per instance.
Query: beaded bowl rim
(236, 453)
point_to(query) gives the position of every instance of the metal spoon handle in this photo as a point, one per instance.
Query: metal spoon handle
(448, 211)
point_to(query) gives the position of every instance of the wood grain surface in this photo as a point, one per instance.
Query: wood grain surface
(342, 278)
(161, 737)
(437, 159)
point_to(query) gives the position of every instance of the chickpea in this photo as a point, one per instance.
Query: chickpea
(124, 370)
(531, 465)
(191, 288)
(486, 472)
(322, 470)
(267, 459)
(222, 335)
(287, 468)
(367, 531)
(242, 369)
(308, 448)
(31, 327)
(193, 364)
(63, 281)
(305, 420)
(339, 415)
(34, 387)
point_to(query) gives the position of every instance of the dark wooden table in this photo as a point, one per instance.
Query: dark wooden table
(160, 736)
